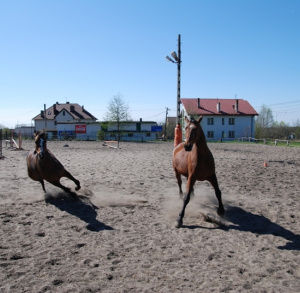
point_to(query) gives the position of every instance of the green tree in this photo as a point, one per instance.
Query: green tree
(101, 134)
(117, 113)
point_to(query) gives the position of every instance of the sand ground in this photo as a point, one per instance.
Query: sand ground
(119, 236)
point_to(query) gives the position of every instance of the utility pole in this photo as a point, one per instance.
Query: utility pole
(178, 81)
(177, 59)
(45, 119)
(167, 109)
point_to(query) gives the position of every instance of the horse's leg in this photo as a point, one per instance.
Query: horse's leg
(43, 184)
(179, 181)
(214, 182)
(68, 175)
(58, 184)
(190, 184)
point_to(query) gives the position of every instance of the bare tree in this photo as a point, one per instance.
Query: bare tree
(117, 113)
(263, 122)
(280, 130)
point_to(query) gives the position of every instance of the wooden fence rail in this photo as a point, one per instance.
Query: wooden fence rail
(281, 140)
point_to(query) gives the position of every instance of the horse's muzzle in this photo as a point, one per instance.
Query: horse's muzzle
(188, 148)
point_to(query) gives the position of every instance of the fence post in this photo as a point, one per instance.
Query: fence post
(11, 138)
(275, 141)
(0, 143)
(20, 139)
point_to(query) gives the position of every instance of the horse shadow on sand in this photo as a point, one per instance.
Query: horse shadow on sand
(248, 222)
(245, 221)
(81, 207)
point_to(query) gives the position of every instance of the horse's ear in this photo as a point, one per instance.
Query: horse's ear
(186, 119)
(200, 119)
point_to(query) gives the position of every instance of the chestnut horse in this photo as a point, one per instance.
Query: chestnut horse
(42, 165)
(194, 160)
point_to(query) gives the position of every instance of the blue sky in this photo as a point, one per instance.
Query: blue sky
(88, 51)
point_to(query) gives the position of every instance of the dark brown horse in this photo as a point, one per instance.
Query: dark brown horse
(194, 160)
(42, 165)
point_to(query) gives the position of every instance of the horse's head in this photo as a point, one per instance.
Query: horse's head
(192, 132)
(40, 143)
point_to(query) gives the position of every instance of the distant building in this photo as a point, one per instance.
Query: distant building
(25, 130)
(133, 131)
(62, 113)
(72, 121)
(56, 117)
(170, 127)
(171, 121)
(222, 118)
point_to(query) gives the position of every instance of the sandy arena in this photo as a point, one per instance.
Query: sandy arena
(120, 235)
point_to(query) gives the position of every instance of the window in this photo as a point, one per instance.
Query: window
(210, 121)
(231, 121)
(64, 113)
(148, 134)
(231, 134)
(223, 121)
(223, 133)
(130, 134)
(210, 134)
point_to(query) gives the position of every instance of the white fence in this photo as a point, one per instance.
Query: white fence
(277, 140)
(252, 139)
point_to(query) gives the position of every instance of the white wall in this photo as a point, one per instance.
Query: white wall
(147, 126)
(132, 126)
(64, 118)
(242, 127)
(40, 124)
(123, 127)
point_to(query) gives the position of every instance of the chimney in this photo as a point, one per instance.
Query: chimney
(54, 109)
(72, 108)
(199, 103)
(42, 113)
(141, 119)
(236, 105)
(218, 107)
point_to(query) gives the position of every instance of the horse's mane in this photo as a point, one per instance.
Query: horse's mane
(41, 133)
(192, 120)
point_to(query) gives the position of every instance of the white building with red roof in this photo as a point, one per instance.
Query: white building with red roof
(62, 113)
(222, 118)
(70, 120)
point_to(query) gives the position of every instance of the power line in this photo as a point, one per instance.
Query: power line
(23, 114)
(280, 104)
(156, 115)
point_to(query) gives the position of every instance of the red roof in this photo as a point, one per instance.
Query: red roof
(210, 107)
(75, 110)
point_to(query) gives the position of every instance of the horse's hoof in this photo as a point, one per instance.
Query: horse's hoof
(221, 212)
(178, 224)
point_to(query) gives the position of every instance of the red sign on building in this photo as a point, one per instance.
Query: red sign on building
(80, 128)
